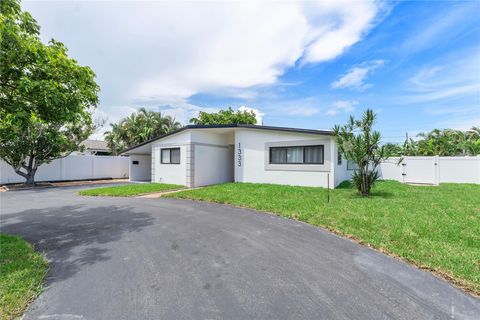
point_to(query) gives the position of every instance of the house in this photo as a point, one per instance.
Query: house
(199, 155)
(94, 148)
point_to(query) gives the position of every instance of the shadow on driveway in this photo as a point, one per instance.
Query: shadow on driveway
(72, 236)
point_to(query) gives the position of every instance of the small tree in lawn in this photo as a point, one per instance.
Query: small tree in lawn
(359, 143)
(46, 98)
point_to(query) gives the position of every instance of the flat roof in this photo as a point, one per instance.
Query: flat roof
(245, 126)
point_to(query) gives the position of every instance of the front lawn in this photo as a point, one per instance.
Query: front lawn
(130, 190)
(21, 274)
(437, 228)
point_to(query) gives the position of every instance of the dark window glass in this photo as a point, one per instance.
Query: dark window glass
(314, 154)
(339, 159)
(175, 155)
(278, 155)
(297, 155)
(170, 156)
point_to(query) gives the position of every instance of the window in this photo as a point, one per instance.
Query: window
(135, 162)
(351, 165)
(170, 156)
(339, 158)
(297, 155)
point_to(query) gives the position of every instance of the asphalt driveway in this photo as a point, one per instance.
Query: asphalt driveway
(119, 258)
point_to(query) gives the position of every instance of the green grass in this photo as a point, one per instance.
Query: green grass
(130, 190)
(437, 228)
(21, 274)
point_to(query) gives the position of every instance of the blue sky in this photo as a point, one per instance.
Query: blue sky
(307, 65)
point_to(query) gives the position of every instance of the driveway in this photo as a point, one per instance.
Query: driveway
(119, 258)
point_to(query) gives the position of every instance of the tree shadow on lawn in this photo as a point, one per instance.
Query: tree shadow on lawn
(73, 236)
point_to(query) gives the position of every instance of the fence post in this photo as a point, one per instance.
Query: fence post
(478, 160)
(63, 168)
(436, 163)
(93, 166)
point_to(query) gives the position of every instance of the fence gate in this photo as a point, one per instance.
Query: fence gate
(422, 170)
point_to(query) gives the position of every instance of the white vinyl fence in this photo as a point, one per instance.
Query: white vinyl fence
(73, 167)
(432, 170)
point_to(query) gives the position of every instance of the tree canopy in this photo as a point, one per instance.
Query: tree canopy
(46, 98)
(227, 116)
(441, 142)
(446, 142)
(137, 128)
(361, 144)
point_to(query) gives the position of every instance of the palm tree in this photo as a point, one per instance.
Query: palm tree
(139, 127)
(359, 143)
(446, 142)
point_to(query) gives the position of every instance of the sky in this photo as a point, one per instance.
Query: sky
(297, 64)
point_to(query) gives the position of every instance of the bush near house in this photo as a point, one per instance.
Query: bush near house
(130, 190)
(436, 228)
(21, 274)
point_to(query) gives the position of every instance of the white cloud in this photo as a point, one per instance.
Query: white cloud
(341, 106)
(163, 53)
(336, 25)
(356, 77)
(258, 113)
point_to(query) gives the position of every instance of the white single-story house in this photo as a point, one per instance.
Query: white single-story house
(199, 155)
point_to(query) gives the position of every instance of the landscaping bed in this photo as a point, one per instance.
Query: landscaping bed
(436, 228)
(130, 190)
(21, 274)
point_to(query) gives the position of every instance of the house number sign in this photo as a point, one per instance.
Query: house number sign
(239, 155)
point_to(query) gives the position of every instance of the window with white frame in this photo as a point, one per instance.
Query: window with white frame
(297, 155)
(170, 156)
(339, 158)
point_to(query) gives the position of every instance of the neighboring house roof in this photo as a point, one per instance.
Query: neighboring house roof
(247, 126)
(97, 145)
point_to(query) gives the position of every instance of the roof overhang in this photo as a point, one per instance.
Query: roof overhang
(145, 147)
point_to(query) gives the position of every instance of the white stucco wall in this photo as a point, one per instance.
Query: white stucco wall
(212, 156)
(213, 164)
(142, 170)
(172, 173)
(341, 171)
(251, 157)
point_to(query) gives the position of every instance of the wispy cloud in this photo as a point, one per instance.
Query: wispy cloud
(357, 76)
(455, 78)
(442, 27)
(341, 106)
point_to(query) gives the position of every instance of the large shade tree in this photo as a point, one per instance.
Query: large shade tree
(46, 98)
(359, 143)
(137, 128)
(227, 116)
